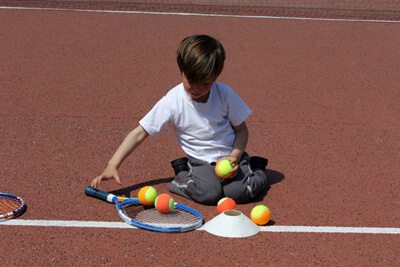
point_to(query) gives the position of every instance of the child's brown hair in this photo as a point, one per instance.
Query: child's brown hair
(200, 58)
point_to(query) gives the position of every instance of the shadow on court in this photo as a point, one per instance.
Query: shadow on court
(273, 177)
(128, 190)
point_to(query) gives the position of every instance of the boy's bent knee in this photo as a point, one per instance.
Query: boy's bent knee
(208, 197)
(242, 192)
(186, 186)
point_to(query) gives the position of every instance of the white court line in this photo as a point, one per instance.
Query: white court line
(195, 14)
(273, 228)
(53, 223)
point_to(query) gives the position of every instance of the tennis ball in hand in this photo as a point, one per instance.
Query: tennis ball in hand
(223, 168)
(147, 195)
(260, 215)
(164, 203)
(225, 204)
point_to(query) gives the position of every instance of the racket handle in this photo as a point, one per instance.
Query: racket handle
(93, 192)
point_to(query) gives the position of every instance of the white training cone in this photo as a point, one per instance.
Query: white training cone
(231, 223)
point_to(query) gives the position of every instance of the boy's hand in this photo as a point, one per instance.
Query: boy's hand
(233, 161)
(111, 172)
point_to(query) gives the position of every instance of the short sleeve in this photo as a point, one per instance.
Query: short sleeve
(238, 111)
(157, 119)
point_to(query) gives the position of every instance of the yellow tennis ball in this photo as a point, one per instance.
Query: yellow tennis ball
(147, 195)
(164, 203)
(260, 215)
(223, 168)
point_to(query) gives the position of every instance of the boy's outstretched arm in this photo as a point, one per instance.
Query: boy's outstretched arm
(132, 140)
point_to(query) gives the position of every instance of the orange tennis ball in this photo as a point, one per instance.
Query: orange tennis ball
(260, 215)
(222, 169)
(147, 195)
(225, 204)
(164, 203)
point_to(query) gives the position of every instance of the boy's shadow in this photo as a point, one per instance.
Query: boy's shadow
(127, 190)
(273, 177)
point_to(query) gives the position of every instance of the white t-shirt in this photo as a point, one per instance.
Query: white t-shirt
(203, 130)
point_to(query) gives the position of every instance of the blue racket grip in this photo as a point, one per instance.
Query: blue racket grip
(93, 192)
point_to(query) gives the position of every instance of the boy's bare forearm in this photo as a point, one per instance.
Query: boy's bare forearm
(239, 146)
(132, 140)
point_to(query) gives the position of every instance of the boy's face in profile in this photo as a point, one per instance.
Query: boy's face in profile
(198, 92)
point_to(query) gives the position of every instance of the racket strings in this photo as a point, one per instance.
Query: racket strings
(10, 206)
(151, 216)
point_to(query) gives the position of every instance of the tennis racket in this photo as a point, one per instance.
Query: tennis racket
(10, 206)
(180, 219)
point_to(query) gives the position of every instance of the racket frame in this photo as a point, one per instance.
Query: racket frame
(120, 202)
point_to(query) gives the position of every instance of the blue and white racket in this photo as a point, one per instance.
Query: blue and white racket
(180, 219)
(10, 206)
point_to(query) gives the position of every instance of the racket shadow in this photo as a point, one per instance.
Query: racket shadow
(24, 209)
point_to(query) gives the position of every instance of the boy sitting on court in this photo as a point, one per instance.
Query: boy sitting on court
(209, 123)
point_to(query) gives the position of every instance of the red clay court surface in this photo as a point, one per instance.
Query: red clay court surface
(325, 100)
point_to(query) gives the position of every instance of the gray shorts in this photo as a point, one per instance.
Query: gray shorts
(202, 185)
